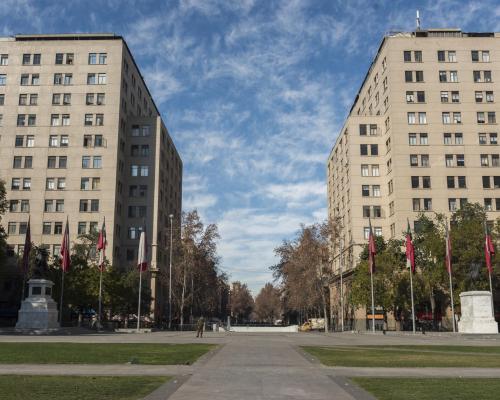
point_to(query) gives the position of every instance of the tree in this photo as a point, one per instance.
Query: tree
(199, 287)
(268, 304)
(304, 269)
(242, 302)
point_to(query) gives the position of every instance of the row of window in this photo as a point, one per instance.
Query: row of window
(60, 141)
(446, 56)
(482, 117)
(457, 138)
(445, 95)
(60, 120)
(58, 79)
(60, 58)
(478, 76)
(86, 183)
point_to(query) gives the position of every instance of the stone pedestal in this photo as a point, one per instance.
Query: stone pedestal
(38, 311)
(477, 316)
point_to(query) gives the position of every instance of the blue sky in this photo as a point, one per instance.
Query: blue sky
(253, 93)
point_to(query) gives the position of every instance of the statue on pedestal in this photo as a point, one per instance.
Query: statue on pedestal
(40, 271)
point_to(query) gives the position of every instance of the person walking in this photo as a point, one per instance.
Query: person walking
(199, 327)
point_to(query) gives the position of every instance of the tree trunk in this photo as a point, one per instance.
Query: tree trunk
(433, 308)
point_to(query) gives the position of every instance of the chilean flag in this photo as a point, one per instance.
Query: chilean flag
(489, 249)
(101, 245)
(65, 256)
(371, 250)
(410, 250)
(142, 255)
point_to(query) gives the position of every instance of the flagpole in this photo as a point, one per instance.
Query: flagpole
(373, 302)
(412, 303)
(61, 302)
(491, 290)
(139, 307)
(452, 305)
(341, 286)
(100, 299)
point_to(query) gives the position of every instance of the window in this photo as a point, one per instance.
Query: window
(450, 181)
(488, 204)
(3, 79)
(460, 160)
(61, 183)
(89, 119)
(415, 182)
(97, 162)
(411, 118)
(24, 79)
(101, 79)
(376, 190)
(459, 139)
(412, 139)
(441, 56)
(443, 76)
(452, 204)
(19, 142)
(91, 79)
(455, 97)
(54, 120)
(407, 56)
(100, 99)
(67, 99)
(408, 76)
(16, 184)
(480, 118)
(446, 117)
(82, 228)
(375, 170)
(2, 99)
(65, 119)
(89, 99)
(462, 182)
(479, 97)
(26, 183)
(485, 56)
(489, 96)
(363, 148)
(444, 97)
(4, 59)
(59, 58)
(486, 182)
(99, 119)
(374, 149)
(365, 190)
(37, 59)
(483, 139)
(475, 55)
(492, 119)
(410, 98)
(85, 161)
(422, 118)
(419, 76)
(476, 75)
(457, 117)
(453, 76)
(452, 56)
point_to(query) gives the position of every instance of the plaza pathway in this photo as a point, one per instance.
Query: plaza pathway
(256, 366)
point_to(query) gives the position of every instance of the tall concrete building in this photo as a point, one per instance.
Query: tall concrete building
(421, 136)
(81, 137)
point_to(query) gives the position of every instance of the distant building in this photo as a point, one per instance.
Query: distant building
(421, 136)
(82, 137)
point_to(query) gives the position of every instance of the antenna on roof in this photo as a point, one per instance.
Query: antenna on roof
(418, 20)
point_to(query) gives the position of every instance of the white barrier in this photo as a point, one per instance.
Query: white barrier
(265, 329)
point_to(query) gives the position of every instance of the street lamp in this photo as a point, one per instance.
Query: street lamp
(171, 216)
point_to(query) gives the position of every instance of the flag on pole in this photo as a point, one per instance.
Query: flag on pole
(410, 250)
(448, 250)
(27, 249)
(489, 249)
(371, 250)
(65, 256)
(101, 245)
(142, 259)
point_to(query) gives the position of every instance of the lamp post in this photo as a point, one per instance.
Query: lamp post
(171, 216)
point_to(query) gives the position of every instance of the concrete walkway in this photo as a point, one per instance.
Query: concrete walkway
(260, 367)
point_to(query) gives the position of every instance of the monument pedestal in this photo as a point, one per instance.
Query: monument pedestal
(477, 315)
(38, 311)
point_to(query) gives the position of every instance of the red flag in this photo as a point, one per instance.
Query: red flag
(448, 250)
(65, 256)
(27, 249)
(142, 255)
(101, 245)
(371, 250)
(489, 249)
(410, 250)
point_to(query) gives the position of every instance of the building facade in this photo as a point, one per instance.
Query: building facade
(81, 138)
(421, 136)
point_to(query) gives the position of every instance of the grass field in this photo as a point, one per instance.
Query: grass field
(407, 356)
(431, 388)
(22, 387)
(101, 353)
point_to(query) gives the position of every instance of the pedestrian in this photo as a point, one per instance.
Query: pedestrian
(199, 327)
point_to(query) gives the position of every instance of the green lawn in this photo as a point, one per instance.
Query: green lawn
(407, 356)
(431, 388)
(21, 387)
(101, 353)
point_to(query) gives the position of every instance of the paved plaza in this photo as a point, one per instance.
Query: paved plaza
(257, 366)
